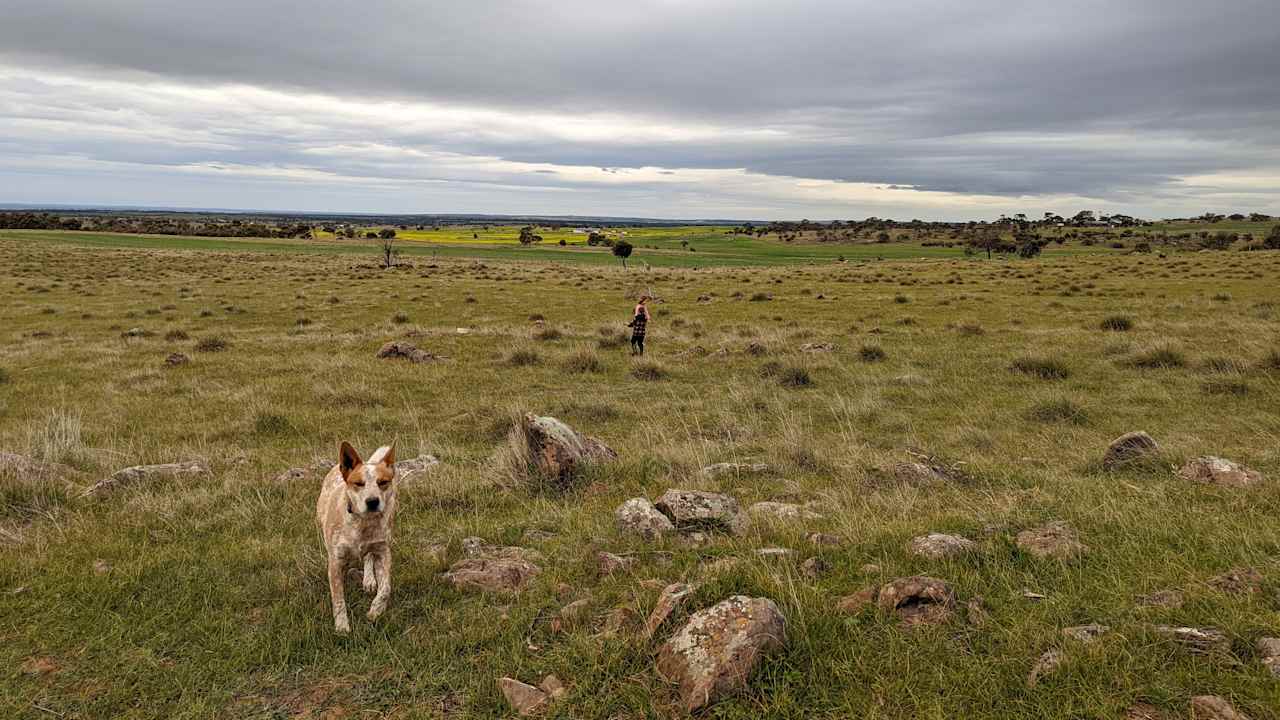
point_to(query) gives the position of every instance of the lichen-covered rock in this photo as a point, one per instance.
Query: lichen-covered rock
(818, 538)
(1050, 661)
(699, 510)
(857, 602)
(523, 698)
(398, 349)
(496, 575)
(714, 654)
(607, 563)
(474, 547)
(1213, 707)
(145, 473)
(1169, 599)
(1129, 449)
(1197, 640)
(937, 546)
(672, 597)
(914, 473)
(729, 468)
(555, 450)
(1238, 581)
(639, 516)
(1086, 633)
(769, 510)
(918, 600)
(1219, 471)
(1056, 540)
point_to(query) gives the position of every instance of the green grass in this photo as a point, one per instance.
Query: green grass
(206, 597)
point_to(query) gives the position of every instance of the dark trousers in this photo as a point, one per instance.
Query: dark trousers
(637, 344)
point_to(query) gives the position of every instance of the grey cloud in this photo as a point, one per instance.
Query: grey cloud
(996, 97)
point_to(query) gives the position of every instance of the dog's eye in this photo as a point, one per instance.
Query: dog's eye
(383, 483)
(360, 483)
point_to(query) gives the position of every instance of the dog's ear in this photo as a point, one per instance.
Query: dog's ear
(348, 459)
(389, 459)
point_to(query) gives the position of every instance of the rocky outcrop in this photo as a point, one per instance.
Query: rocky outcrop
(639, 516)
(495, 575)
(145, 473)
(1219, 471)
(699, 510)
(918, 600)
(554, 450)
(1129, 449)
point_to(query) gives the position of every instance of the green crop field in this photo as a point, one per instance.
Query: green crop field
(204, 596)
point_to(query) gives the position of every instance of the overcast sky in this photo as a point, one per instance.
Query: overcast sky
(661, 108)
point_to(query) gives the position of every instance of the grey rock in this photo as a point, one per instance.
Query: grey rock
(639, 516)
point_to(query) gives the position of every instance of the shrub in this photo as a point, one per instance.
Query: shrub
(901, 299)
(173, 335)
(1056, 411)
(583, 361)
(760, 297)
(523, 357)
(871, 353)
(400, 318)
(212, 344)
(794, 377)
(1225, 387)
(1158, 358)
(1224, 365)
(271, 424)
(1043, 368)
(1117, 323)
(647, 370)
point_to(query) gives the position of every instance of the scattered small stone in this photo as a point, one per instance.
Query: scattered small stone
(552, 686)
(699, 510)
(1197, 640)
(1239, 581)
(639, 516)
(914, 473)
(1269, 649)
(1086, 633)
(814, 568)
(1213, 707)
(474, 547)
(101, 567)
(1169, 599)
(608, 563)
(719, 566)
(406, 469)
(855, 603)
(39, 666)
(523, 698)
(575, 611)
(318, 467)
(870, 569)
(774, 553)
(818, 538)
(1221, 472)
(729, 468)
(143, 473)
(496, 575)
(136, 333)
(1033, 595)
(1143, 711)
(672, 597)
(436, 553)
(400, 350)
(918, 600)
(714, 654)
(175, 359)
(1128, 449)
(1050, 661)
(1054, 540)
(817, 347)
(937, 546)
(781, 511)
(976, 611)
(619, 620)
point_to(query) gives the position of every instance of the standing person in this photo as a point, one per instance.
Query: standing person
(637, 325)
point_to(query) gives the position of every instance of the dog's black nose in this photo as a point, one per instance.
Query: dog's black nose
(372, 504)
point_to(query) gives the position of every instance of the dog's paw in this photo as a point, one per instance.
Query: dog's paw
(370, 585)
(375, 612)
(341, 626)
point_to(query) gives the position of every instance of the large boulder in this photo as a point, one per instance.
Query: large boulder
(714, 654)
(495, 575)
(554, 450)
(937, 546)
(1128, 449)
(1218, 471)
(639, 516)
(1056, 540)
(918, 600)
(698, 510)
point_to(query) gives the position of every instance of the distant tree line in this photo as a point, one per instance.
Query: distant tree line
(154, 225)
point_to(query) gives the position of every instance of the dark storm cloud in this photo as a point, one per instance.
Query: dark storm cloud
(984, 97)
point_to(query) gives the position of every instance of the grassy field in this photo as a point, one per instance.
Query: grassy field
(206, 597)
(659, 247)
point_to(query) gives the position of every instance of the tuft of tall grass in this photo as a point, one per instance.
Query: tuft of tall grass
(1041, 367)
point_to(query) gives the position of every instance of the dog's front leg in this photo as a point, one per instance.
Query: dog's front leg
(337, 592)
(370, 582)
(382, 569)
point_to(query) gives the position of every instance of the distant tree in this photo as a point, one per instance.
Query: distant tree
(562, 242)
(1259, 217)
(389, 253)
(528, 237)
(387, 234)
(371, 235)
(622, 249)
(1272, 241)
(594, 238)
